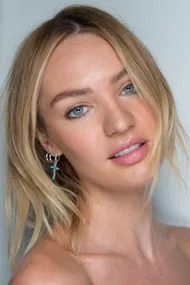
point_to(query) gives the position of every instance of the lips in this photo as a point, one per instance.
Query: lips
(123, 146)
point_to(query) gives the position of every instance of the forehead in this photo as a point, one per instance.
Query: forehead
(79, 59)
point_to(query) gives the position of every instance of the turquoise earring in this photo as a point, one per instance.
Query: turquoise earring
(53, 158)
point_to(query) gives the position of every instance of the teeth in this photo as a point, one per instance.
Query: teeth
(127, 150)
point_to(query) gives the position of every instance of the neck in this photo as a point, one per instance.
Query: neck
(118, 225)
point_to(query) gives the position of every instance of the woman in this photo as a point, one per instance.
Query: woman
(90, 119)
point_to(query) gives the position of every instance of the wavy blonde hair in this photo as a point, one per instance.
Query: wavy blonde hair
(33, 200)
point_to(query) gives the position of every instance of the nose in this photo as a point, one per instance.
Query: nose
(117, 119)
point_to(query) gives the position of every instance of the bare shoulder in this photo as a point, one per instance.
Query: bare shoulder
(48, 263)
(182, 235)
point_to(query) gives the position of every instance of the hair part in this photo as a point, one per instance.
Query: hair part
(33, 200)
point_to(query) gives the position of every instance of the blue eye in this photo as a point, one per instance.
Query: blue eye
(129, 89)
(76, 112)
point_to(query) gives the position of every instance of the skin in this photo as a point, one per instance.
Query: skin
(116, 233)
(113, 117)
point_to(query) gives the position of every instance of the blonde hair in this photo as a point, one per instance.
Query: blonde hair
(33, 200)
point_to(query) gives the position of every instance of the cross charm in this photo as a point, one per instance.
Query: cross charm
(53, 169)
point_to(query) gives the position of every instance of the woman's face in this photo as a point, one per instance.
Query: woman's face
(85, 71)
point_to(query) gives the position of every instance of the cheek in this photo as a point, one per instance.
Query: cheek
(77, 143)
(148, 117)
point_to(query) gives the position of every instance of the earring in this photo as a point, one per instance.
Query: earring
(53, 158)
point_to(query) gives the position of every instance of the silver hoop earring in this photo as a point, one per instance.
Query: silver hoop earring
(53, 158)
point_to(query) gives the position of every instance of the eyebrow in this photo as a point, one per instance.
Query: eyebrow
(85, 91)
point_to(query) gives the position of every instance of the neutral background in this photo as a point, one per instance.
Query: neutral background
(164, 25)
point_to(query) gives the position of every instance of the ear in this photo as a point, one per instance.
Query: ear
(47, 143)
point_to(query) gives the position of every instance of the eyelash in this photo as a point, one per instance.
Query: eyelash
(79, 106)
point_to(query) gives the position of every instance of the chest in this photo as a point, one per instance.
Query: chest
(118, 271)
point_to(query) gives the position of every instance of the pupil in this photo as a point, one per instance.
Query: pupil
(129, 87)
(78, 110)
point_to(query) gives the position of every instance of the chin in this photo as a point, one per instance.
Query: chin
(134, 178)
